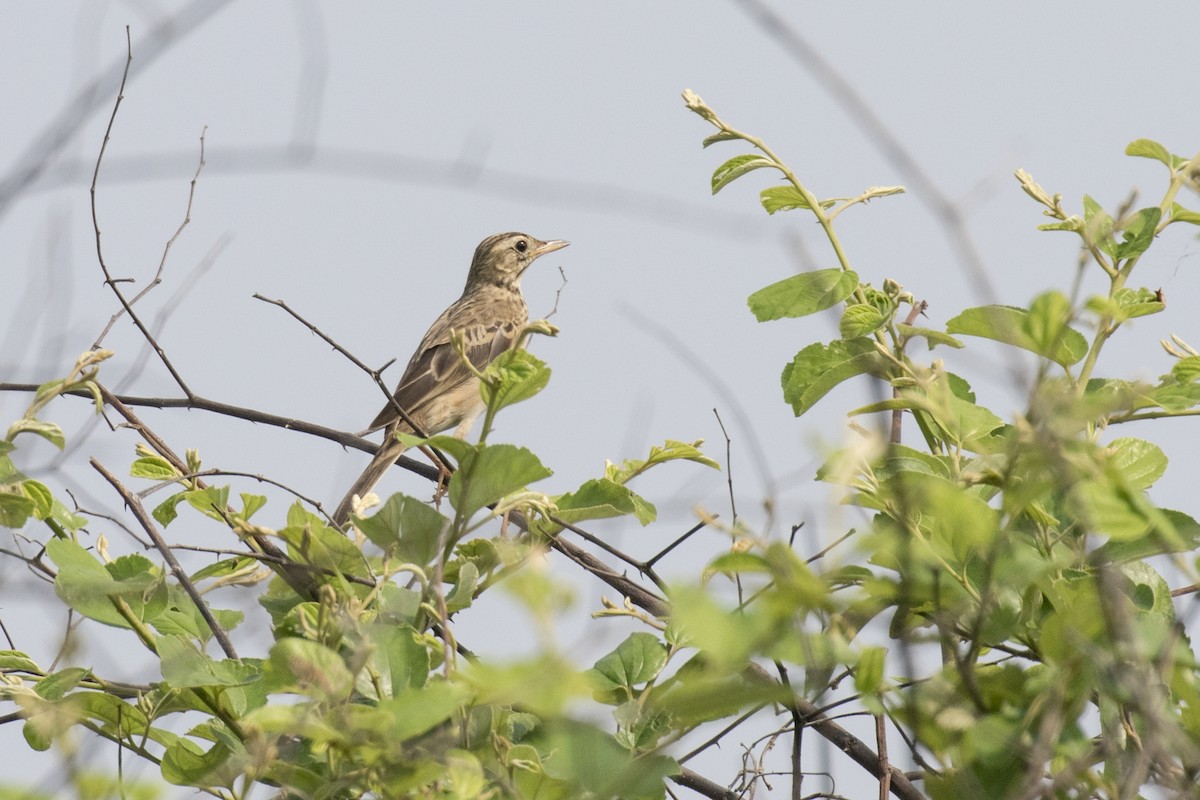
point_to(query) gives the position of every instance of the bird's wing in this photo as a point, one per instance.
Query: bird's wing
(436, 369)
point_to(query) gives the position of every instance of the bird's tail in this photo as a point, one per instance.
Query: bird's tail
(387, 455)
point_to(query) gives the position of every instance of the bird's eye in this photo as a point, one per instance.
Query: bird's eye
(522, 245)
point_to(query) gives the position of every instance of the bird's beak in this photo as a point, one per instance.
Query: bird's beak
(550, 247)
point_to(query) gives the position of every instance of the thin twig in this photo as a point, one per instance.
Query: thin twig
(162, 263)
(728, 468)
(682, 538)
(143, 518)
(558, 292)
(108, 278)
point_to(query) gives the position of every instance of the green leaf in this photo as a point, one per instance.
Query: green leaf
(400, 657)
(595, 765)
(406, 528)
(491, 472)
(251, 503)
(1139, 232)
(818, 368)
(184, 666)
(638, 659)
(1108, 510)
(735, 168)
(17, 661)
(312, 542)
(465, 585)
(1072, 224)
(1186, 369)
(416, 711)
(868, 673)
(56, 685)
(1141, 463)
(1148, 148)
(933, 337)
(602, 498)
(307, 668)
(1013, 326)
(1126, 303)
(83, 583)
(860, 319)
(154, 468)
(513, 376)
(15, 509)
(803, 294)
(785, 198)
(167, 511)
(185, 763)
(1181, 214)
(210, 501)
(1174, 396)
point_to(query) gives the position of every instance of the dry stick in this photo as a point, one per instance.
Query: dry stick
(139, 512)
(162, 262)
(108, 278)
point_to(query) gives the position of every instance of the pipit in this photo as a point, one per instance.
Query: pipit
(437, 391)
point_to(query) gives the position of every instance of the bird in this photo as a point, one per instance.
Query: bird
(437, 391)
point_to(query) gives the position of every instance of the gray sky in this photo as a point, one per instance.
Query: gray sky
(357, 154)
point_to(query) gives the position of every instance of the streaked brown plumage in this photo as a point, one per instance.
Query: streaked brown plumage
(437, 391)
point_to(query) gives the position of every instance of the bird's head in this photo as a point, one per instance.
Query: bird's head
(503, 258)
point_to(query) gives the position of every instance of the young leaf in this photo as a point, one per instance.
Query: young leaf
(818, 368)
(513, 376)
(735, 168)
(785, 198)
(803, 294)
(1148, 148)
(155, 468)
(860, 319)
(1141, 463)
